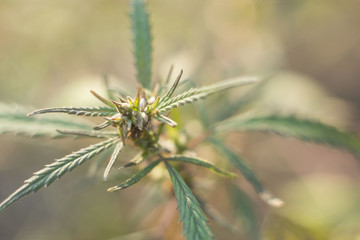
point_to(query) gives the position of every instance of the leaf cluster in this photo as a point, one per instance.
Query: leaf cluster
(139, 122)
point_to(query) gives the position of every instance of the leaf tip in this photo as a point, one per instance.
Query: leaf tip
(271, 200)
(113, 189)
(231, 175)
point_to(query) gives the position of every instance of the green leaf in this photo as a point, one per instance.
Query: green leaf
(246, 172)
(55, 170)
(142, 41)
(13, 120)
(195, 94)
(135, 178)
(93, 134)
(170, 92)
(166, 120)
(95, 165)
(231, 108)
(202, 163)
(303, 129)
(114, 156)
(104, 100)
(80, 111)
(245, 210)
(195, 223)
(135, 161)
(166, 83)
(103, 125)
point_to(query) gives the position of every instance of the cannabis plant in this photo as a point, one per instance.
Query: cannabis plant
(138, 122)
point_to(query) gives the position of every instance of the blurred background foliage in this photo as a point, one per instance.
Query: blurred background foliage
(53, 52)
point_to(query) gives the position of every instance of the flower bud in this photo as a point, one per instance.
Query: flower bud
(145, 118)
(143, 104)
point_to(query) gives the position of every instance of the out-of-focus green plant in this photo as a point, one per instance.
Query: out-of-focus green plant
(139, 123)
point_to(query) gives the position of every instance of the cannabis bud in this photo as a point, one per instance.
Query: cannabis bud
(133, 117)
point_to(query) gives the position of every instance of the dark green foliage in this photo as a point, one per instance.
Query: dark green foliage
(303, 129)
(195, 223)
(141, 120)
(244, 210)
(13, 120)
(55, 170)
(142, 41)
(202, 163)
(131, 118)
(194, 94)
(135, 161)
(135, 178)
(239, 164)
(246, 171)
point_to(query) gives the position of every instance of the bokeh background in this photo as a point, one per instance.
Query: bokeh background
(53, 52)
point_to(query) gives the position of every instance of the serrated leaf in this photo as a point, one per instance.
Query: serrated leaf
(166, 120)
(246, 171)
(195, 94)
(202, 163)
(135, 178)
(195, 223)
(80, 111)
(55, 170)
(13, 120)
(142, 41)
(95, 165)
(303, 129)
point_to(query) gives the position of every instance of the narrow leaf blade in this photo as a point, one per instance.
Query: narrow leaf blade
(104, 100)
(93, 134)
(56, 169)
(195, 94)
(170, 92)
(142, 41)
(245, 210)
(13, 120)
(195, 223)
(202, 163)
(79, 111)
(166, 120)
(243, 102)
(135, 161)
(135, 178)
(114, 156)
(303, 129)
(247, 172)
